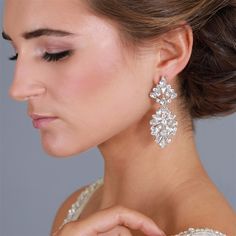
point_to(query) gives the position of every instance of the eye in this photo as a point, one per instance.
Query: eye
(56, 56)
(49, 56)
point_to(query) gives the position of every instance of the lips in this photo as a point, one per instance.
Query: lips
(40, 121)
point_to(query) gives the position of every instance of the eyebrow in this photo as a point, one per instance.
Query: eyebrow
(40, 32)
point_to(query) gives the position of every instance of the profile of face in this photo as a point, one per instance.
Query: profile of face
(93, 85)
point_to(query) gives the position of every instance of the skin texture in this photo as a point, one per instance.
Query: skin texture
(100, 95)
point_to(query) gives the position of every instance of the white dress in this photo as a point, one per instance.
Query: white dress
(76, 209)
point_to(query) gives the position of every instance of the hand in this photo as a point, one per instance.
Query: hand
(113, 221)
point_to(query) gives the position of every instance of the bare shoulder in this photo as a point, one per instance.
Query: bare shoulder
(63, 209)
(206, 207)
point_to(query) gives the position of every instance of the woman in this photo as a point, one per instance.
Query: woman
(129, 77)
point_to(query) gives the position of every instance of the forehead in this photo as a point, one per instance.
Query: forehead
(20, 15)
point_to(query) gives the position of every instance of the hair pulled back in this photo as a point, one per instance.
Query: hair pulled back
(208, 82)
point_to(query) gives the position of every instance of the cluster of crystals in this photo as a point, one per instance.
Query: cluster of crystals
(163, 124)
(163, 93)
(73, 211)
(201, 232)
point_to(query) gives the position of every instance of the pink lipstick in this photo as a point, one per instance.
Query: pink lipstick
(40, 121)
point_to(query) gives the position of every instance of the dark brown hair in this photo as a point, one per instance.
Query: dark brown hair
(208, 82)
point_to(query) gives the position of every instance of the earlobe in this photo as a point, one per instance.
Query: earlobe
(175, 51)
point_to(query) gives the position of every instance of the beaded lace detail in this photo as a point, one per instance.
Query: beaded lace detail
(76, 209)
(200, 232)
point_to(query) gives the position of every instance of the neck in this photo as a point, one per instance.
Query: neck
(136, 166)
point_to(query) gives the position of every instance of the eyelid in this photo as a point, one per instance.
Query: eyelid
(54, 57)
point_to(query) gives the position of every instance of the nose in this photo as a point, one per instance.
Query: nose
(22, 92)
(26, 83)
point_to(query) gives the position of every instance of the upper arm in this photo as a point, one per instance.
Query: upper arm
(63, 210)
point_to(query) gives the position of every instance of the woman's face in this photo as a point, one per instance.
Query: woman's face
(95, 91)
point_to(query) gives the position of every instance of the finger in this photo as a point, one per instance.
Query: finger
(75, 229)
(118, 230)
(107, 219)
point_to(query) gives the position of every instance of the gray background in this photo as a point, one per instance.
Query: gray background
(33, 185)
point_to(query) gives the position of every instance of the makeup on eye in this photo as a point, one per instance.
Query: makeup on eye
(56, 56)
(50, 56)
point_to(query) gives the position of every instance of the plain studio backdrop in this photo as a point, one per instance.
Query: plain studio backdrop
(33, 185)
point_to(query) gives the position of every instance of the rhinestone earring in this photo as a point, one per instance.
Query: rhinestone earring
(163, 124)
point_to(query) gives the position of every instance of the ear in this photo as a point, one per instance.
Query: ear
(175, 48)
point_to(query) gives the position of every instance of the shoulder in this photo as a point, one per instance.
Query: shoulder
(63, 209)
(207, 208)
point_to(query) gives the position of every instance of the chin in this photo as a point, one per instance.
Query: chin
(62, 153)
(61, 145)
(57, 153)
(63, 149)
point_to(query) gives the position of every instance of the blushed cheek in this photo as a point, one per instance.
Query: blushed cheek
(92, 79)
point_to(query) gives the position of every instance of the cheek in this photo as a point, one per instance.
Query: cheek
(89, 79)
(103, 86)
(89, 76)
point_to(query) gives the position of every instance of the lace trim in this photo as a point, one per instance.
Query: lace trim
(77, 207)
(200, 232)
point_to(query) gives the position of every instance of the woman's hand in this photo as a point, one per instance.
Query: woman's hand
(113, 221)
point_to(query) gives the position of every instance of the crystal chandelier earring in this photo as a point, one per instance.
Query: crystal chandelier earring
(163, 124)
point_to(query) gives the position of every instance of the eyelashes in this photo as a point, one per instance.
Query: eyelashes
(13, 58)
(56, 56)
(49, 56)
